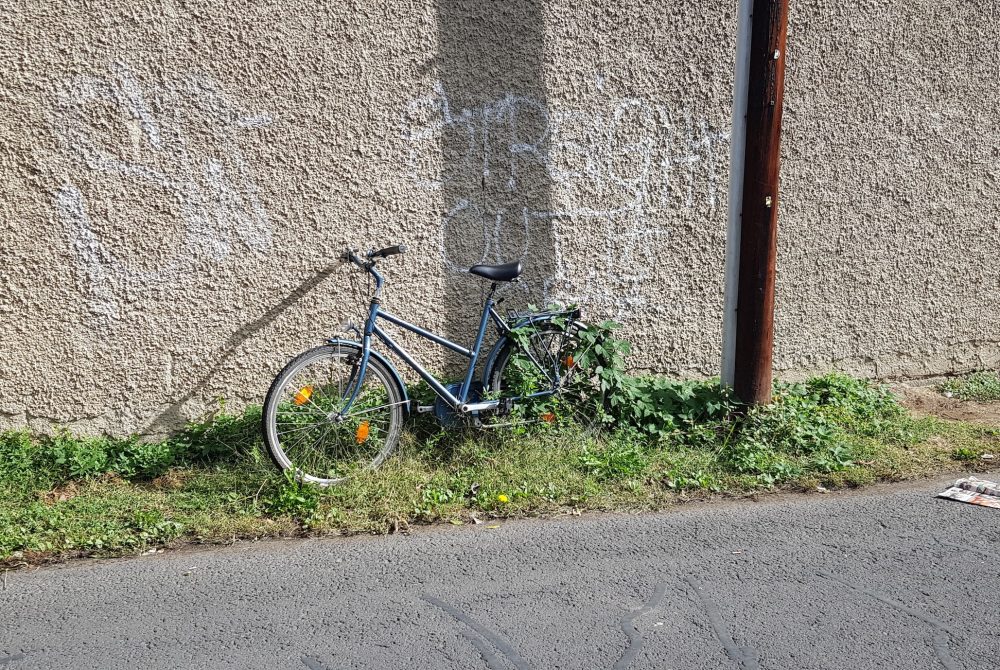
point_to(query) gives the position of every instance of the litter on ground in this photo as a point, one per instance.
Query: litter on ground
(975, 492)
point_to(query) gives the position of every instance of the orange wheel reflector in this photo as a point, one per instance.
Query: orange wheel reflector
(303, 394)
(549, 417)
(362, 433)
(568, 361)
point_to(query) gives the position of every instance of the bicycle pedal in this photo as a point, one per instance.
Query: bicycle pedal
(423, 409)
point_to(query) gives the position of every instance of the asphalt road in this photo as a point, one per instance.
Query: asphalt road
(887, 578)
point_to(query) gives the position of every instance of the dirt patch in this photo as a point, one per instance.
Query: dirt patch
(928, 401)
(171, 481)
(59, 494)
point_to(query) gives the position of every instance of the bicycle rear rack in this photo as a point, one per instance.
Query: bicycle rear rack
(519, 315)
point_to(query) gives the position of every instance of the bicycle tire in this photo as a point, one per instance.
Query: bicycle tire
(579, 397)
(300, 422)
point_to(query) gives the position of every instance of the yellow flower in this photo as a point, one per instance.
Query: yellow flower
(503, 498)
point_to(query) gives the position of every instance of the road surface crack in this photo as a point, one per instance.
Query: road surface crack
(491, 660)
(942, 633)
(745, 656)
(628, 627)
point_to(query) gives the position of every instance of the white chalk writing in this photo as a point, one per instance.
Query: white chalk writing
(605, 179)
(210, 184)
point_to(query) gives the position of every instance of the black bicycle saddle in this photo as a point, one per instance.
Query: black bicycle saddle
(505, 272)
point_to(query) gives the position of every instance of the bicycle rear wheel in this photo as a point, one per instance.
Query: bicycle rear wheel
(542, 370)
(302, 425)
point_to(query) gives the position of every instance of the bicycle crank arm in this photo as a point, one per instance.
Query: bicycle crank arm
(478, 406)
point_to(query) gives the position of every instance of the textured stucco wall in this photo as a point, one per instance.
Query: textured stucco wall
(178, 178)
(890, 228)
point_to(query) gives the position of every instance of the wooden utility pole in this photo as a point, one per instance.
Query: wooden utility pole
(759, 227)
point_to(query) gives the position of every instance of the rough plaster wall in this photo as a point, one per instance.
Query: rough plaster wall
(640, 148)
(890, 226)
(178, 179)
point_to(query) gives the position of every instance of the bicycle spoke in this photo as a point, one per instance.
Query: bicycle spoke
(374, 409)
(296, 430)
(312, 448)
(319, 411)
(297, 441)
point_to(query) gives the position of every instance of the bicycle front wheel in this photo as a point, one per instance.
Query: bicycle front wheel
(303, 422)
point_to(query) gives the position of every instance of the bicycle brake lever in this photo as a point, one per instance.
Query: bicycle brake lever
(350, 326)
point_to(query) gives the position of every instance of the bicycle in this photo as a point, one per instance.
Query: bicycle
(341, 406)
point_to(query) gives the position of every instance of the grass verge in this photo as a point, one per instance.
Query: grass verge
(63, 496)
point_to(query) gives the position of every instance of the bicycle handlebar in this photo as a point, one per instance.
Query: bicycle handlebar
(388, 251)
(352, 256)
(367, 263)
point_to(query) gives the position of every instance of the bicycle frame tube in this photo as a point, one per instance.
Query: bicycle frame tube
(366, 341)
(424, 333)
(438, 387)
(483, 321)
(372, 328)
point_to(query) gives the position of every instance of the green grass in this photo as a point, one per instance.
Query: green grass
(65, 496)
(983, 386)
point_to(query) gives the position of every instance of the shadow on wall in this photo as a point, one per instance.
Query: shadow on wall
(496, 190)
(174, 417)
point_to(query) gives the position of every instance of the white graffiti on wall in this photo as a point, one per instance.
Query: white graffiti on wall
(615, 172)
(209, 182)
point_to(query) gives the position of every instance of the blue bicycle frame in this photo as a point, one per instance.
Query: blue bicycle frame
(459, 402)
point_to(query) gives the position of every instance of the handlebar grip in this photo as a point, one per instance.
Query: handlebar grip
(389, 251)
